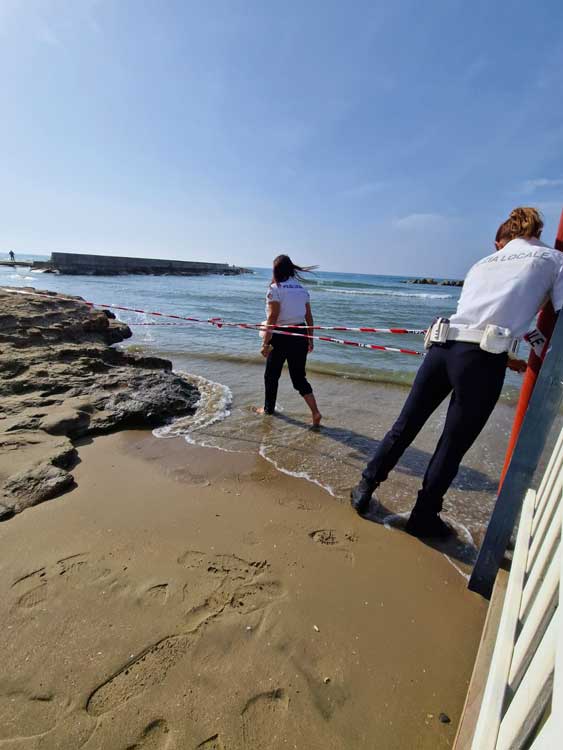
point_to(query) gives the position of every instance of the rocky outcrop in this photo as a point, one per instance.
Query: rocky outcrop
(60, 380)
(434, 282)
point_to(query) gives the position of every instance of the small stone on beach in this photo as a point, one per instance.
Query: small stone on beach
(444, 718)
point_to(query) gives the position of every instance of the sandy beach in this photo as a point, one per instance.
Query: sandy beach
(182, 597)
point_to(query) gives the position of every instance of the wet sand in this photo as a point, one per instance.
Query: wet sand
(181, 597)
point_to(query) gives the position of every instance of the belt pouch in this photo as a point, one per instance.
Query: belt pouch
(496, 339)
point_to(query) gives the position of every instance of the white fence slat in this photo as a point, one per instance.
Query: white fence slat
(546, 738)
(537, 566)
(550, 510)
(557, 699)
(552, 469)
(532, 630)
(488, 723)
(524, 710)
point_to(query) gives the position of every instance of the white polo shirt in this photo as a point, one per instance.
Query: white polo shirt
(508, 287)
(293, 298)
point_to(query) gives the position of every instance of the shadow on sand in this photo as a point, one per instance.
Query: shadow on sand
(459, 546)
(413, 462)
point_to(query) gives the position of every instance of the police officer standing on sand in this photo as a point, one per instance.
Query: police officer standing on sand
(467, 357)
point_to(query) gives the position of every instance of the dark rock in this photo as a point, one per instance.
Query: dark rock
(60, 379)
(444, 718)
(434, 282)
(5, 512)
(35, 485)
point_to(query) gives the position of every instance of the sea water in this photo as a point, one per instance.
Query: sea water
(359, 392)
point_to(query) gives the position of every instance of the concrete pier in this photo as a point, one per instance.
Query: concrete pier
(17, 263)
(78, 264)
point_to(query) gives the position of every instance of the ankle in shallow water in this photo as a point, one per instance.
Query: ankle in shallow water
(428, 526)
(360, 496)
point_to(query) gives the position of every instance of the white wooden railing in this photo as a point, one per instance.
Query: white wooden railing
(522, 706)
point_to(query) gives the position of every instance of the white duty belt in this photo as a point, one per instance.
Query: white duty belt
(493, 339)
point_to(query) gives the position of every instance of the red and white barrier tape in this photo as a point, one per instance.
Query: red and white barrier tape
(332, 340)
(329, 339)
(219, 323)
(263, 326)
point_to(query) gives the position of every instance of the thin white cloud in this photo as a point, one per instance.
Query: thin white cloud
(541, 183)
(423, 222)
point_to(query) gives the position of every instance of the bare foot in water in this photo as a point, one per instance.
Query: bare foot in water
(317, 416)
(260, 410)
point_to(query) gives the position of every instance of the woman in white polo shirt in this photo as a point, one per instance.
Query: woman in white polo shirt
(468, 357)
(287, 304)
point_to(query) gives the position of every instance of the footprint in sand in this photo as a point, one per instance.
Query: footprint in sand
(218, 584)
(157, 594)
(211, 743)
(155, 736)
(212, 582)
(34, 589)
(263, 720)
(299, 503)
(28, 715)
(331, 538)
(31, 589)
(148, 669)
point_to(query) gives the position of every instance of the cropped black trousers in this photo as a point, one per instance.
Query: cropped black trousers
(474, 378)
(292, 349)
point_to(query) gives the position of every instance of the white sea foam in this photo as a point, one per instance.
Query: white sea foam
(214, 405)
(459, 570)
(387, 293)
(20, 277)
(297, 474)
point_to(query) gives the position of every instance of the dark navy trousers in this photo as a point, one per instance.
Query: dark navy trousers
(474, 378)
(292, 349)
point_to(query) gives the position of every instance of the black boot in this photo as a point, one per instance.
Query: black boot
(360, 496)
(428, 525)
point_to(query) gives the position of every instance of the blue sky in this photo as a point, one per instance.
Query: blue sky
(362, 136)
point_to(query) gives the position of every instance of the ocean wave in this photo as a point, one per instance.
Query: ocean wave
(383, 376)
(385, 293)
(214, 405)
(342, 284)
(399, 378)
(20, 277)
(263, 452)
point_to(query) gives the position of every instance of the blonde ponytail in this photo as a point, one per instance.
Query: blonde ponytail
(524, 222)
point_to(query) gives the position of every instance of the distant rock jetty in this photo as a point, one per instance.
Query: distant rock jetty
(78, 264)
(61, 380)
(434, 282)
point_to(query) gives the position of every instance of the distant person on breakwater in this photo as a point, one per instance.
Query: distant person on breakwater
(287, 304)
(467, 357)
(12, 256)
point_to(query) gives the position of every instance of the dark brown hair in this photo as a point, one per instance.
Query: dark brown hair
(503, 233)
(284, 268)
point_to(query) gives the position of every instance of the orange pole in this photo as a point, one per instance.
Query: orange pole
(545, 324)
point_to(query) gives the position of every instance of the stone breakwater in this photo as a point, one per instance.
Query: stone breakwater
(81, 264)
(61, 380)
(435, 282)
